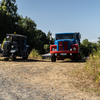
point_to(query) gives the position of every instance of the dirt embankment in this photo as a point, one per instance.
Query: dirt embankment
(40, 80)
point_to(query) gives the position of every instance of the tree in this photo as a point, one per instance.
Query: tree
(36, 38)
(8, 17)
(98, 41)
(9, 6)
(6, 24)
(88, 47)
(27, 23)
(41, 40)
(85, 42)
(11, 22)
(49, 34)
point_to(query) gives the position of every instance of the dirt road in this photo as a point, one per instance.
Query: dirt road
(40, 80)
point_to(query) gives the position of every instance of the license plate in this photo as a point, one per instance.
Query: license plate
(63, 54)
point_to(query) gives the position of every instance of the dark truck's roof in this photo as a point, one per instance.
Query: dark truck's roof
(18, 35)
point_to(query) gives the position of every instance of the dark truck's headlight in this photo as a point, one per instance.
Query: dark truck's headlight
(12, 46)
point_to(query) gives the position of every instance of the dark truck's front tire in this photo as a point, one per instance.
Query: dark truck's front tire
(27, 53)
(53, 57)
(13, 57)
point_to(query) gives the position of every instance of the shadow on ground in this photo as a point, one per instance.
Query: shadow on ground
(21, 60)
(80, 61)
(42, 60)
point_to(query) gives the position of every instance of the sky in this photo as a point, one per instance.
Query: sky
(63, 16)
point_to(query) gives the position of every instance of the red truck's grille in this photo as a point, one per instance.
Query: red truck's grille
(63, 45)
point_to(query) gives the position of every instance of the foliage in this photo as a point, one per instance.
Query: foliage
(98, 41)
(27, 23)
(11, 22)
(50, 38)
(53, 40)
(46, 47)
(49, 34)
(92, 68)
(8, 17)
(87, 47)
(35, 54)
(41, 39)
(9, 6)
(3, 42)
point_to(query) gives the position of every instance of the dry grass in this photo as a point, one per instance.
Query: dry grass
(41, 80)
(35, 54)
(89, 75)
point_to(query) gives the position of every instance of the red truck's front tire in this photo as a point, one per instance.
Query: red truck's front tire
(75, 57)
(53, 57)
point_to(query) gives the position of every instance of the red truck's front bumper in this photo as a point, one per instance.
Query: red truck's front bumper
(53, 49)
(64, 51)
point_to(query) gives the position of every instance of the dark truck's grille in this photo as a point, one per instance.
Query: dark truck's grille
(6, 47)
(63, 45)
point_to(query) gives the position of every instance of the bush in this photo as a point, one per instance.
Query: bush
(3, 42)
(89, 75)
(46, 48)
(35, 54)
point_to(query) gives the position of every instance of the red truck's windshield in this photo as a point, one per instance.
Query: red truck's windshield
(64, 36)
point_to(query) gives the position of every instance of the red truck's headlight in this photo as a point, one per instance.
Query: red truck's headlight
(74, 48)
(70, 49)
(53, 49)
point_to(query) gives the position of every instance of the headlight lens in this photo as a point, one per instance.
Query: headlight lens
(12, 46)
(70, 49)
(74, 49)
(53, 49)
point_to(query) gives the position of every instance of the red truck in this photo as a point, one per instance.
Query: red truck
(66, 46)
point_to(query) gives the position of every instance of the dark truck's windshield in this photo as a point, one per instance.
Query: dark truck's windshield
(8, 38)
(15, 38)
(64, 36)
